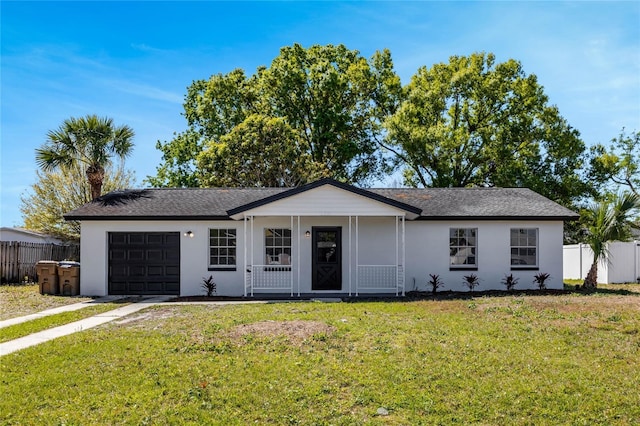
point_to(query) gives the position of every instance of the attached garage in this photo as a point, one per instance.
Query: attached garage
(144, 263)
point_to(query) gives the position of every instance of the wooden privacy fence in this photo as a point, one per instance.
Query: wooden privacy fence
(18, 259)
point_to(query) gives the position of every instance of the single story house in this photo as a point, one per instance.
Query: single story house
(27, 236)
(322, 238)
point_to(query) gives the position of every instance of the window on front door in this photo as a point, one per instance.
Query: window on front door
(463, 249)
(277, 244)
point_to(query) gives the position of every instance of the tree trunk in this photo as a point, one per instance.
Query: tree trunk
(591, 281)
(95, 176)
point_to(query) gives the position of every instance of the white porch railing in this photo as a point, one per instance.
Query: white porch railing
(382, 278)
(269, 277)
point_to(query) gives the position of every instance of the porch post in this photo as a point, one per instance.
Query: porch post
(357, 257)
(299, 244)
(404, 250)
(245, 270)
(253, 275)
(397, 256)
(350, 262)
(291, 275)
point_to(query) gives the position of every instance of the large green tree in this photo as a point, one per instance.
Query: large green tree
(608, 220)
(91, 141)
(618, 164)
(332, 100)
(260, 151)
(59, 191)
(473, 121)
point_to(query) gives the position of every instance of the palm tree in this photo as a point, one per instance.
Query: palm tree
(91, 141)
(608, 221)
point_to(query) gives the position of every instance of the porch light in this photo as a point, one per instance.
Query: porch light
(188, 234)
(307, 234)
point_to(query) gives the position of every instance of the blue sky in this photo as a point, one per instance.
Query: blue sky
(133, 61)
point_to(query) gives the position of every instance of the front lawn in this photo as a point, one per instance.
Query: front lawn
(568, 359)
(23, 299)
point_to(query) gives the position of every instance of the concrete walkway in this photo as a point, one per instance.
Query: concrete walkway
(84, 324)
(58, 310)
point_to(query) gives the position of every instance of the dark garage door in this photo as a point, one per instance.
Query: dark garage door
(144, 263)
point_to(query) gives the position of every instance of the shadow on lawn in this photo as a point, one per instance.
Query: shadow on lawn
(415, 295)
(468, 295)
(459, 295)
(611, 291)
(606, 291)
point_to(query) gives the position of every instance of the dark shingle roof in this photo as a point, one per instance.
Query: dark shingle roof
(215, 203)
(170, 203)
(441, 203)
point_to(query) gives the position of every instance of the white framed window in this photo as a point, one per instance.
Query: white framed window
(524, 248)
(222, 248)
(463, 248)
(277, 244)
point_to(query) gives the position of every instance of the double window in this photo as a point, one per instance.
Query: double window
(463, 248)
(524, 247)
(222, 249)
(277, 244)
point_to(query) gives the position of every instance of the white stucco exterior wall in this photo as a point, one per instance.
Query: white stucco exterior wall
(193, 254)
(427, 251)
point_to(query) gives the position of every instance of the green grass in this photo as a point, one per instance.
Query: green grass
(24, 299)
(574, 282)
(569, 359)
(44, 323)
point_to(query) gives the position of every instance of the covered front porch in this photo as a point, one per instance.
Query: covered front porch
(325, 237)
(298, 255)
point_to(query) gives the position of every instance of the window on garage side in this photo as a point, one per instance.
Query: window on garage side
(463, 248)
(277, 244)
(524, 248)
(222, 249)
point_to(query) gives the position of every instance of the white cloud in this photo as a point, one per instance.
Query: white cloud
(144, 90)
(146, 48)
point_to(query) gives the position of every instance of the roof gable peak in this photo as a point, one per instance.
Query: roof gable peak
(412, 211)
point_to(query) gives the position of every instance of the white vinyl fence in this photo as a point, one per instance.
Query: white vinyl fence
(622, 265)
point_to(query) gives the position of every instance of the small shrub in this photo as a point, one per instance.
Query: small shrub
(471, 281)
(540, 279)
(510, 281)
(209, 286)
(435, 282)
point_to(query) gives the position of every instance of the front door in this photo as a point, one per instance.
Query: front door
(327, 258)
